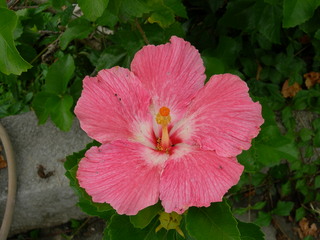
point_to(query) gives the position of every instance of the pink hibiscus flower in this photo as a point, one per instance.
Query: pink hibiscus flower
(165, 135)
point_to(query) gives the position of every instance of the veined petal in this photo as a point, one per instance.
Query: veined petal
(172, 72)
(114, 105)
(194, 177)
(222, 117)
(124, 174)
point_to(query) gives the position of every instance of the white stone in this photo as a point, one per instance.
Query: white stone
(41, 202)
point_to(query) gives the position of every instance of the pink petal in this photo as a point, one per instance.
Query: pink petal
(124, 174)
(193, 177)
(114, 105)
(222, 117)
(172, 72)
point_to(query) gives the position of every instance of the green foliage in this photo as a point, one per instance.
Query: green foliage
(145, 216)
(77, 29)
(296, 12)
(250, 231)
(102, 210)
(93, 9)
(47, 49)
(214, 222)
(54, 101)
(10, 61)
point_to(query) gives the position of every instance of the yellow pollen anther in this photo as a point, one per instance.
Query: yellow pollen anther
(163, 117)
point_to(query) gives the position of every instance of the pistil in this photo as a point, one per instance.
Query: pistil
(163, 118)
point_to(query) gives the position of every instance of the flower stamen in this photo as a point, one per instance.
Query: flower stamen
(163, 118)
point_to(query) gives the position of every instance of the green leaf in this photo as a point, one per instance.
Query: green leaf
(177, 7)
(121, 228)
(317, 182)
(240, 211)
(108, 18)
(227, 48)
(110, 57)
(78, 29)
(283, 208)
(61, 113)
(250, 231)
(270, 23)
(10, 61)
(40, 106)
(162, 15)
(316, 124)
(263, 219)
(271, 146)
(213, 65)
(301, 185)
(309, 238)
(300, 213)
(145, 216)
(93, 9)
(286, 188)
(316, 139)
(132, 8)
(59, 75)
(306, 134)
(3, 4)
(214, 222)
(296, 12)
(317, 34)
(241, 15)
(259, 205)
(102, 210)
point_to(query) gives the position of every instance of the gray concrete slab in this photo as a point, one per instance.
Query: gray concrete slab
(41, 202)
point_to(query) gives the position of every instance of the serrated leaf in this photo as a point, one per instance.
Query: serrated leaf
(300, 213)
(61, 113)
(259, 205)
(10, 61)
(283, 208)
(296, 12)
(306, 134)
(78, 29)
(93, 9)
(286, 188)
(145, 216)
(263, 219)
(240, 211)
(59, 75)
(250, 231)
(214, 222)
